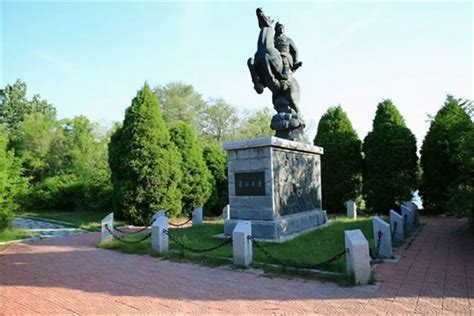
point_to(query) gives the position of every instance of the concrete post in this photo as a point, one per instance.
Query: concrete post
(379, 225)
(159, 239)
(226, 212)
(241, 244)
(398, 219)
(358, 258)
(408, 217)
(197, 216)
(109, 221)
(157, 214)
(351, 209)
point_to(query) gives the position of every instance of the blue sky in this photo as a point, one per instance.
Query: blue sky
(90, 58)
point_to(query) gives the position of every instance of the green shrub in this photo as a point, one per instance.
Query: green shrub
(441, 156)
(11, 182)
(341, 164)
(195, 185)
(216, 161)
(145, 163)
(390, 163)
(69, 193)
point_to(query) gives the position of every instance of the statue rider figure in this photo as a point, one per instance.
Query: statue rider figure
(288, 51)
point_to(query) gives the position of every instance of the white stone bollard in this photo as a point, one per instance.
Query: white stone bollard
(197, 216)
(398, 219)
(358, 258)
(351, 209)
(241, 244)
(379, 225)
(109, 221)
(408, 217)
(159, 239)
(226, 212)
(156, 215)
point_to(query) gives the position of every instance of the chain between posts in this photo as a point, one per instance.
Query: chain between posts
(294, 265)
(130, 233)
(196, 250)
(394, 230)
(180, 224)
(120, 238)
(377, 247)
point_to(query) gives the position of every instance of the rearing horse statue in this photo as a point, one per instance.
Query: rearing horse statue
(269, 69)
(267, 66)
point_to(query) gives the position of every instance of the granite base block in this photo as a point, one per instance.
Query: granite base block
(282, 228)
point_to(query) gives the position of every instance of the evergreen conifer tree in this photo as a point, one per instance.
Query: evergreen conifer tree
(341, 164)
(145, 163)
(441, 153)
(216, 161)
(390, 162)
(195, 185)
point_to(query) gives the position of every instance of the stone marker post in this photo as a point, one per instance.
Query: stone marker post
(109, 221)
(159, 239)
(385, 248)
(156, 215)
(351, 209)
(197, 216)
(358, 258)
(226, 212)
(408, 217)
(414, 208)
(241, 244)
(396, 220)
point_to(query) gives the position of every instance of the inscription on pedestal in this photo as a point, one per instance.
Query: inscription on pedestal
(249, 183)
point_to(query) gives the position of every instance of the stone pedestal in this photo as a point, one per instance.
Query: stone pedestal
(351, 209)
(275, 184)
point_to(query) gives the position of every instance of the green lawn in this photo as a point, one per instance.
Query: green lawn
(13, 234)
(308, 249)
(86, 220)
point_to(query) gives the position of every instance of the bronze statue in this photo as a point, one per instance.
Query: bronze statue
(273, 66)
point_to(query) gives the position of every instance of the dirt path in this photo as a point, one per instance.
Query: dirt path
(70, 275)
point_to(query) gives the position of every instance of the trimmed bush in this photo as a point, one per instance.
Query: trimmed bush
(441, 154)
(11, 182)
(145, 163)
(216, 161)
(341, 164)
(195, 184)
(390, 163)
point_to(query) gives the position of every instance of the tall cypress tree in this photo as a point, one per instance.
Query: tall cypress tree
(216, 161)
(145, 163)
(195, 185)
(390, 163)
(341, 164)
(441, 152)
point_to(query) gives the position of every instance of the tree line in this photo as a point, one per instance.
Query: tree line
(167, 154)
(384, 170)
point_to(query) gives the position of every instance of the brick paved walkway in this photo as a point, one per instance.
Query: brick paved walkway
(70, 275)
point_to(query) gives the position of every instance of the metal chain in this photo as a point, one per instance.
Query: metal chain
(377, 247)
(130, 233)
(196, 250)
(181, 224)
(394, 230)
(120, 238)
(294, 265)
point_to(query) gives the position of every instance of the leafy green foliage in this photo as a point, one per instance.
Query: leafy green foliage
(390, 164)
(195, 185)
(180, 102)
(255, 125)
(341, 164)
(14, 106)
(11, 183)
(446, 158)
(145, 163)
(219, 121)
(216, 161)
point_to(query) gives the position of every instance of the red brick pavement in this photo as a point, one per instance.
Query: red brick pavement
(69, 275)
